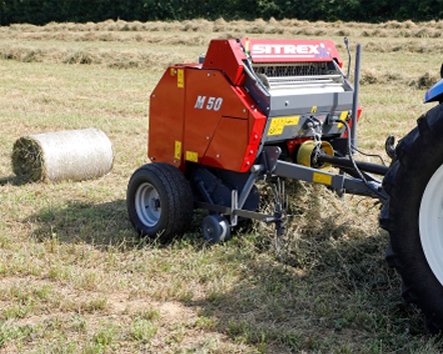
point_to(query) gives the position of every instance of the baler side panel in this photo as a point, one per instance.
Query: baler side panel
(227, 56)
(209, 97)
(222, 126)
(229, 142)
(166, 118)
(236, 141)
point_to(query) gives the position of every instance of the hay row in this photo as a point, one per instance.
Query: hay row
(109, 58)
(401, 29)
(158, 61)
(406, 47)
(149, 38)
(198, 38)
(374, 77)
(149, 58)
(417, 33)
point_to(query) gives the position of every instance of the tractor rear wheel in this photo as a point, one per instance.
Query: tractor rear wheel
(159, 201)
(413, 215)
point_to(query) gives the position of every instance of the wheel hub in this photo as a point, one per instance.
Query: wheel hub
(215, 228)
(147, 204)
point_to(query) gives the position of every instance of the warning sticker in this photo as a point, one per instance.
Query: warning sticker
(278, 124)
(178, 150)
(322, 178)
(191, 156)
(180, 78)
(343, 117)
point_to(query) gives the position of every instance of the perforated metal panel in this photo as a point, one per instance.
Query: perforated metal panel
(298, 69)
(318, 76)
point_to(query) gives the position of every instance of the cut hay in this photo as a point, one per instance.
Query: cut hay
(425, 81)
(110, 58)
(74, 155)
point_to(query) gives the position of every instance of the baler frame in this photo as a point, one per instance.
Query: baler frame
(270, 166)
(275, 137)
(275, 101)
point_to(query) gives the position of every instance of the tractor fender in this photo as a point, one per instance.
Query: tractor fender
(435, 93)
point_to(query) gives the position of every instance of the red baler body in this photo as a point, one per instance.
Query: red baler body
(203, 113)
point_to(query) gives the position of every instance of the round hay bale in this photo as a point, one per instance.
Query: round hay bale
(74, 155)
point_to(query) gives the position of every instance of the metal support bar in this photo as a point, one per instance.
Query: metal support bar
(346, 163)
(237, 212)
(346, 41)
(355, 98)
(339, 183)
(246, 189)
(234, 206)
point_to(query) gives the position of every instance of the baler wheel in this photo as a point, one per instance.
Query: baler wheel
(414, 216)
(215, 228)
(159, 201)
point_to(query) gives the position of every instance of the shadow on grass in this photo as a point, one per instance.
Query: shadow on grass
(331, 292)
(12, 180)
(339, 296)
(101, 225)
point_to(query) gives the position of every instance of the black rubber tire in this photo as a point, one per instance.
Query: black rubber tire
(418, 155)
(175, 196)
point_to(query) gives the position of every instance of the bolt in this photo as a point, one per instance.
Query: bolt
(207, 138)
(217, 156)
(209, 74)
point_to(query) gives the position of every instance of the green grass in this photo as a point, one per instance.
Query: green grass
(74, 276)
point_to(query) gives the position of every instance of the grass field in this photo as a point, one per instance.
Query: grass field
(74, 277)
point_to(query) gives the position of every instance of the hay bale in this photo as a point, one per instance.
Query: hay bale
(74, 155)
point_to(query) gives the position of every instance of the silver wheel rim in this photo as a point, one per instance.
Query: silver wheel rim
(431, 223)
(147, 204)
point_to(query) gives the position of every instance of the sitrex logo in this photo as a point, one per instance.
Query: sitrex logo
(310, 50)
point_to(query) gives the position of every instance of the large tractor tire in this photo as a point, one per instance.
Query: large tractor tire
(413, 216)
(159, 201)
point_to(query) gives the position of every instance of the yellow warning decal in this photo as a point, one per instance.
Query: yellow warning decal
(178, 150)
(343, 117)
(314, 109)
(322, 178)
(180, 78)
(278, 124)
(173, 72)
(191, 156)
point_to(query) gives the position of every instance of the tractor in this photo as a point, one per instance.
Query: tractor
(255, 110)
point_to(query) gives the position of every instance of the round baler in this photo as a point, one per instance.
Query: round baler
(271, 110)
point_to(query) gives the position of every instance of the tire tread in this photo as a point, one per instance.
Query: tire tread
(406, 170)
(179, 198)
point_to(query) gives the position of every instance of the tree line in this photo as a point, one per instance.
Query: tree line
(43, 11)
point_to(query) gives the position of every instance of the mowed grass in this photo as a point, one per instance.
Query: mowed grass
(74, 276)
